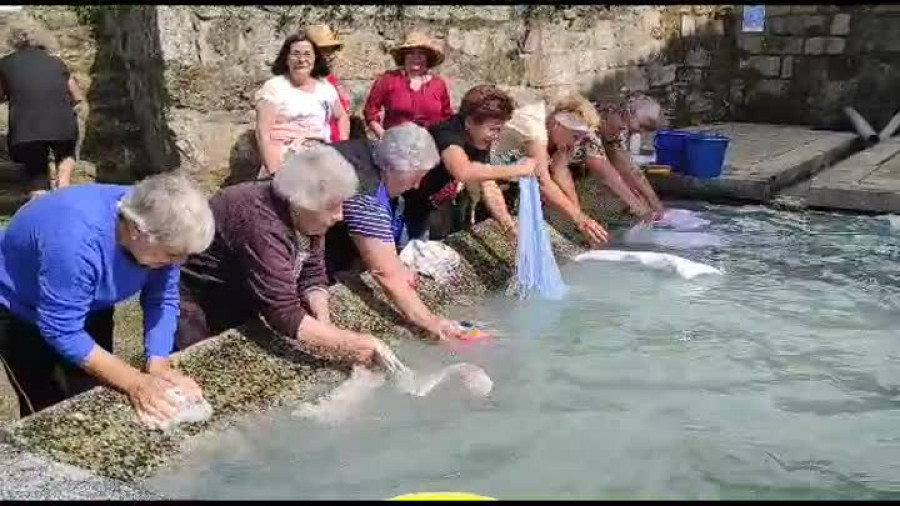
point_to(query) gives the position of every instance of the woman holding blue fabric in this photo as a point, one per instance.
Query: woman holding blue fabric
(66, 259)
(373, 226)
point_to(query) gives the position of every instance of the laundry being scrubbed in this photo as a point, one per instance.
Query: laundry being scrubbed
(681, 220)
(687, 269)
(343, 402)
(187, 411)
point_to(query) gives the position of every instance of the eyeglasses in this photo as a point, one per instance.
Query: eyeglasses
(297, 56)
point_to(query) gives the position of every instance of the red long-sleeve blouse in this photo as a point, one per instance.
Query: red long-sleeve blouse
(425, 107)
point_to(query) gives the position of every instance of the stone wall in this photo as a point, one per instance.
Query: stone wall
(191, 71)
(812, 60)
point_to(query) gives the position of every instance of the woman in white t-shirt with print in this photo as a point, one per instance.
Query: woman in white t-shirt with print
(294, 109)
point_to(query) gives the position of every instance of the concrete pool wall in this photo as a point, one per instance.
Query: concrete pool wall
(249, 370)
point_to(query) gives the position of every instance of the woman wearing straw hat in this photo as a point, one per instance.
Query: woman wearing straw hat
(329, 45)
(412, 92)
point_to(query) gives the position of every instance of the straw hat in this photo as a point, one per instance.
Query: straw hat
(322, 36)
(419, 40)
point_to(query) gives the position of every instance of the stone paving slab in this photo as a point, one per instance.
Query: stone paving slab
(761, 159)
(868, 181)
(24, 476)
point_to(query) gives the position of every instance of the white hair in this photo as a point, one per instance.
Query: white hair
(173, 211)
(647, 110)
(406, 147)
(313, 178)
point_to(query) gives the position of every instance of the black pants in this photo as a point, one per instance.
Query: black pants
(35, 156)
(38, 374)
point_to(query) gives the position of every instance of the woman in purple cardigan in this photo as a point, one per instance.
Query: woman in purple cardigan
(268, 259)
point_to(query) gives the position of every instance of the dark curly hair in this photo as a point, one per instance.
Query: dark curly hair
(280, 67)
(486, 101)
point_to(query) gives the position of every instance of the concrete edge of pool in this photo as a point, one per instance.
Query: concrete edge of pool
(90, 446)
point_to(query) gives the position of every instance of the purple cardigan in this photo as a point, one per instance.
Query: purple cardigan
(257, 263)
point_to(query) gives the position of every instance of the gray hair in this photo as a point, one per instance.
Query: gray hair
(312, 178)
(645, 109)
(173, 211)
(406, 147)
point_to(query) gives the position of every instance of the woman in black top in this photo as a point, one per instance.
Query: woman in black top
(464, 143)
(42, 94)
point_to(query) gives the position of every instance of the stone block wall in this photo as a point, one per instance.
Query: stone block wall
(173, 85)
(813, 60)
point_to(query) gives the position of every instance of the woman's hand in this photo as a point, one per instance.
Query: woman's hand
(525, 168)
(148, 398)
(161, 369)
(592, 231)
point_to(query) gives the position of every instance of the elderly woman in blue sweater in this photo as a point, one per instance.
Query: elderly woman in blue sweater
(68, 258)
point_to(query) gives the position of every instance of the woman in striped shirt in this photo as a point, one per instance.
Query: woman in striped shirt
(373, 226)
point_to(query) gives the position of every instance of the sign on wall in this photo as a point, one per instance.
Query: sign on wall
(754, 18)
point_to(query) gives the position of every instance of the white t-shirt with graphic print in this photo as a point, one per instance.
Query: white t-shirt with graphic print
(311, 111)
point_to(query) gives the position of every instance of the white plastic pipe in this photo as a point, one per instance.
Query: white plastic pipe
(891, 128)
(863, 128)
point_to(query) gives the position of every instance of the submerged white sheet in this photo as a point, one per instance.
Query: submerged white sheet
(688, 269)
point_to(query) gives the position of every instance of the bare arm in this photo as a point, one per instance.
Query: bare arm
(266, 113)
(603, 169)
(382, 261)
(593, 231)
(343, 120)
(632, 175)
(496, 204)
(464, 170)
(549, 189)
(562, 176)
(317, 298)
(75, 90)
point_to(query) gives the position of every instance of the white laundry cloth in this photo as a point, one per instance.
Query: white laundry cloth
(681, 220)
(687, 269)
(431, 258)
(186, 412)
(642, 234)
(343, 401)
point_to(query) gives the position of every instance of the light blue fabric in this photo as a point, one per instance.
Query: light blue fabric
(537, 274)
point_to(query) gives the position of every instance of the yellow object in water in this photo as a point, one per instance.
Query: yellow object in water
(442, 496)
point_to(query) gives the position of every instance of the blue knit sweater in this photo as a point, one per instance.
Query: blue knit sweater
(59, 259)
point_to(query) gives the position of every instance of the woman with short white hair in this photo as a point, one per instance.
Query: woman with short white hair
(373, 227)
(68, 258)
(268, 259)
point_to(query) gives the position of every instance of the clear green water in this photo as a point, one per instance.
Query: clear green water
(778, 380)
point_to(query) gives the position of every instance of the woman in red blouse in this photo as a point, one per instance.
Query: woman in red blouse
(412, 92)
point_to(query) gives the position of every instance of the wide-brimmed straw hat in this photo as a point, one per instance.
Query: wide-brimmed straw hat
(419, 40)
(323, 37)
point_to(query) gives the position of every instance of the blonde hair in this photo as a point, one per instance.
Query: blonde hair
(25, 32)
(578, 106)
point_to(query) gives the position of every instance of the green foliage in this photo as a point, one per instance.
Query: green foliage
(91, 14)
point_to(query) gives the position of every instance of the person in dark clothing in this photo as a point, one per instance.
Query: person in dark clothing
(267, 258)
(373, 225)
(42, 94)
(464, 143)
